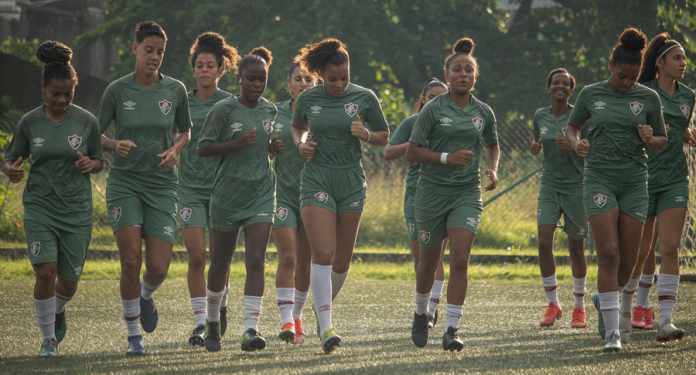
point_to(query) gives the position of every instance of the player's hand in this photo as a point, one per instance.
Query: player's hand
(563, 142)
(85, 164)
(248, 137)
(690, 136)
(14, 170)
(460, 157)
(646, 133)
(358, 129)
(307, 149)
(169, 157)
(535, 147)
(582, 148)
(492, 179)
(124, 146)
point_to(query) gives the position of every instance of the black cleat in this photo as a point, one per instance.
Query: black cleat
(197, 336)
(252, 341)
(419, 330)
(451, 341)
(212, 336)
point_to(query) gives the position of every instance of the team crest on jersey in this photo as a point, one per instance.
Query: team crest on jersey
(424, 236)
(685, 110)
(165, 106)
(543, 130)
(636, 107)
(268, 126)
(35, 248)
(185, 213)
(599, 105)
(600, 200)
(322, 196)
(75, 141)
(115, 214)
(38, 142)
(282, 213)
(315, 109)
(351, 109)
(445, 121)
(478, 123)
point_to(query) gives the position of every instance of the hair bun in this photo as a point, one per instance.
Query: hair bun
(52, 51)
(211, 40)
(633, 39)
(263, 53)
(464, 45)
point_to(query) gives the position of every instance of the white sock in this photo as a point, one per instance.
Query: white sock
(454, 313)
(286, 303)
(46, 317)
(61, 301)
(579, 292)
(252, 312)
(200, 310)
(627, 296)
(223, 302)
(131, 314)
(609, 307)
(667, 288)
(337, 280)
(550, 285)
(298, 306)
(435, 294)
(646, 281)
(422, 300)
(214, 300)
(320, 281)
(147, 289)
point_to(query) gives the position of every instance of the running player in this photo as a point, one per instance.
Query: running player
(560, 193)
(333, 183)
(211, 57)
(238, 130)
(451, 133)
(624, 118)
(396, 149)
(62, 142)
(151, 125)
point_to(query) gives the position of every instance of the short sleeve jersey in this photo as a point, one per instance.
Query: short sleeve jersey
(562, 169)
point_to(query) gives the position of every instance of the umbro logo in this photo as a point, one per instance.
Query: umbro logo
(599, 105)
(129, 105)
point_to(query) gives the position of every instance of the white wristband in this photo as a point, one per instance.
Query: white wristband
(443, 158)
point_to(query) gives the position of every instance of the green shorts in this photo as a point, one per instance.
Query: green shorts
(154, 210)
(48, 244)
(600, 194)
(249, 205)
(552, 204)
(287, 212)
(673, 196)
(410, 212)
(193, 208)
(337, 190)
(437, 212)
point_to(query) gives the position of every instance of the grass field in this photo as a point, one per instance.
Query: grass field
(373, 314)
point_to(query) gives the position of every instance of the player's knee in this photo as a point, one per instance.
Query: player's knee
(254, 262)
(130, 264)
(286, 261)
(46, 273)
(609, 253)
(196, 262)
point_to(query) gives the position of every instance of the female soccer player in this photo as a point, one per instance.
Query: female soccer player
(211, 57)
(668, 186)
(62, 142)
(333, 181)
(151, 125)
(396, 149)
(238, 130)
(560, 193)
(625, 117)
(448, 139)
(292, 277)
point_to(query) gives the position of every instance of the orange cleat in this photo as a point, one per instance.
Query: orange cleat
(553, 312)
(579, 319)
(649, 318)
(287, 332)
(299, 333)
(639, 315)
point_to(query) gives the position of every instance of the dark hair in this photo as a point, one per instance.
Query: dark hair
(463, 46)
(629, 47)
(315, 56)
(215, 44)
(256, 56)
(660, 44)
(149, 28)
(549, 77)
(56, 56)
(428, 85)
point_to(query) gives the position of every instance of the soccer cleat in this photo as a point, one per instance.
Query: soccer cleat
(223, 320)
(419, 330)
(197, 336)
(639, 315)
(330, 340)
(299, 332)
(613, 342)
(625, 326)
(287, 332)
(49, 348)
(451, 340)
(148, 314)
(252, 341)
(669, 332)
(432, 319)
(649, 318)
(212, 336)
(61, 327)
(579, 318)
(600, 319)
(136, 345)
(551, 314)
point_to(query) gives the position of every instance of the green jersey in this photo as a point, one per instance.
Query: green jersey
(148, 116)
(400, 136)
(613, 118)
(198, 173)
(330, 118)
(288, 164)
(562, 169)
(668, 165)
(443, 126)
(57, 193)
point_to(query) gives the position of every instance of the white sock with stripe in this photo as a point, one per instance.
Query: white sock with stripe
(550, 286)
(46, 317)
(320, 281)
(286, 301)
